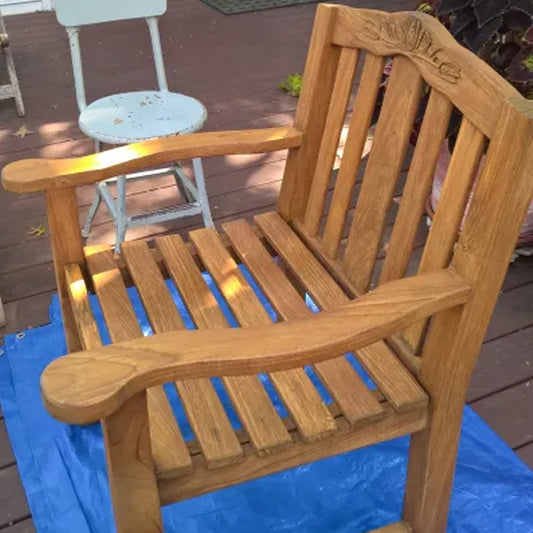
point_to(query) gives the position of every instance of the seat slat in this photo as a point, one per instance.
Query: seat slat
(392, 379)
(363, 111)
(330, 138)
(339, 377)
(417, 187)
(311, 416)
(384, 165)
(201, 403)
(168, 447)
(450, 210)
(256, 412)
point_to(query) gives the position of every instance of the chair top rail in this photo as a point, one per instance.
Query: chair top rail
(472, 85)
(90, 385)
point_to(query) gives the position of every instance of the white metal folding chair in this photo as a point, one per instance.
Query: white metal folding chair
(134, 116)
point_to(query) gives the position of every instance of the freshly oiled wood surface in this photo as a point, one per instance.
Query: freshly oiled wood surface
(330, 138)
(65, 232)
(294, 387)
(347, 439)
(482, 256)
(363, 111)
(90, 385)
(200, 400)
(396, 383)
(417, 187)
(168, 447)
(346, 387)
(319, 75)
(130, 471)
(247, 99)
(38, 174)
(81, 307)
(450, 209)
(248, 396)
(472, 85)
(382, 172)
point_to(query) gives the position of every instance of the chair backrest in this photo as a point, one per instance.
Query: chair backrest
(75, 13)
(358, 229)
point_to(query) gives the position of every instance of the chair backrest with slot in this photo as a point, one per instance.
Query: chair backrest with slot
(370, 231)
(75, 13)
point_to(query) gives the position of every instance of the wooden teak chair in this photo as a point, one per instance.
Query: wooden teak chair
(421, 369)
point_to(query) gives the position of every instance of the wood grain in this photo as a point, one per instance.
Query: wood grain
(330, 138)
(202, 405)
(131, 469)
(363, 111)
(419, 179)
(168, 448)
(501, 199)
(249, 398)
(81, 308)
(90, 385)
(65, 236)
(313, 104)
(471, 84)
(294, 387)
(383, 169)
(396, 383)
(347, 439)
(346, 387)
(450, 210)
(32, 175)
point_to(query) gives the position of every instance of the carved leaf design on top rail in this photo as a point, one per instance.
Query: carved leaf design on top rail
(411, 37)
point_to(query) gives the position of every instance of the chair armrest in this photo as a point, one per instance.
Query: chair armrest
(87, 386)
(33, 175)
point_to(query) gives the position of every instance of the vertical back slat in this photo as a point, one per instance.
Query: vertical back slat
(388, 152)
(330, 139)
(417, 187)
(363, 111)
(319, 77)
(450, 209)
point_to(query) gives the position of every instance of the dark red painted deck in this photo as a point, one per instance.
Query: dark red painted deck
(233, 64)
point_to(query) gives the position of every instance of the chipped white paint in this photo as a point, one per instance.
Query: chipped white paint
(136, 116)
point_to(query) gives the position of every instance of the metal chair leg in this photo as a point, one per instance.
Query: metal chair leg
(121, 215)
(202, 191)
(97, 200)
(179, 177)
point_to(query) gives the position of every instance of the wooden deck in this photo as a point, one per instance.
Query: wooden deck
(233, 64)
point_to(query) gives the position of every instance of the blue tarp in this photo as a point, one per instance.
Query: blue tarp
(63, 468)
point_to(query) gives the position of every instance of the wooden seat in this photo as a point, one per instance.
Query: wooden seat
(343, 244)
(398, 400)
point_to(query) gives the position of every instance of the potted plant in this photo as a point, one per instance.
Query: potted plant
(501, 33)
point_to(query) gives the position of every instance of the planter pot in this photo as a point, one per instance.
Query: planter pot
(526, 234)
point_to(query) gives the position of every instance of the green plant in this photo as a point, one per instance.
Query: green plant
(498, 31)
(292, 84)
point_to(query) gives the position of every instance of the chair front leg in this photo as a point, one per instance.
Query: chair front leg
(432, 460)
(131, 469)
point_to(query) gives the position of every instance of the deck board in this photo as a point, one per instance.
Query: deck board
(238, 186)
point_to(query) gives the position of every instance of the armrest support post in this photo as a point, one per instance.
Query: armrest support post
(65, 235)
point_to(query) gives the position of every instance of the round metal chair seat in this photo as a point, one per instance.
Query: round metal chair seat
(136, 116)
